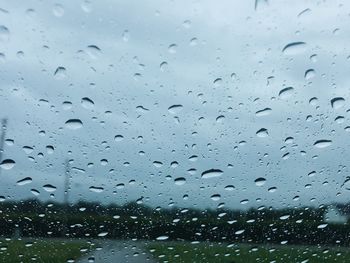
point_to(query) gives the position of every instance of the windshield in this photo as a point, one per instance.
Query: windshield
(174, 131)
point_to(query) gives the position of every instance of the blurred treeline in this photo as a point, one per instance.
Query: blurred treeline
(303, 225)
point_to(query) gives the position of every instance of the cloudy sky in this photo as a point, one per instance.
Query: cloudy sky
(143, 97)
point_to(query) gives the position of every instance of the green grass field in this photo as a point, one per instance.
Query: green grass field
(176, 252)
(50, 251)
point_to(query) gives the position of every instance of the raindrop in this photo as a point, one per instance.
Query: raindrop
(74, 124)
(337, 102)
(322, 143)
(229, 187)
(25, 181)
(103, 234)
(172, 48)
(286, 93)
(118, 138)
(27, 149)
(161, 238)
(7, 164)
(35, 192)
(163, 66)
(215, 197)
(157, 164)
(220, 118)
(49, 188)
(4, 33)
(50, 149)
(212, 173)
(87, 103)
(96, 189)
(180, 181)
(321, 226)
(309, 74)
(93, 51)
(285, 217)
(263, 112)
(294, 48)
(260, 181)
(175, 109)
(67, 105)
(217, 82)
(262, 133)
(60, 73)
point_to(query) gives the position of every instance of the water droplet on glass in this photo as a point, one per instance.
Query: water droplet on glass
(172, 48)
(215, 197)
(118, 138)
(260, 181)
(96, 189)
(87, 103)
(49, 188)
(337, 102)
(157, 164)
(286, 93)
(7, 164)
(294, 48)
(262, 133)
(322, 143)
(24, 181)
(263, 112)
(27, 149)
(74, 124)
(161, 238)
(4, 33)
(309, 74)
(175, 109)
(93, 51)
(60, 73)
(321, 226)
(180, 181)
(212, 173)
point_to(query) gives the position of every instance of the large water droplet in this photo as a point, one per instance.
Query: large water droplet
(49, 188)
(27, 149)
(322, 143)
(157, 164)
(93, 51)
(180, 181)
(175, 109)
(7, 164)
(337, 102)
(263, 112)
(212, 173)
(286, 93)
(24, 181)
(74, 124)
(161, 238)
(118, 138)
(294, 48)
(60, 73)
(260, 181)
(96, 189)
(262, 133)
(87, 103)
(309, 74)
(215, 197)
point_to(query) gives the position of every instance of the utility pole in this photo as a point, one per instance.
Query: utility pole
(66, 199)
(66, 183)
(2, 138)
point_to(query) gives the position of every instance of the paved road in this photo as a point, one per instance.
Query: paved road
(112, 251)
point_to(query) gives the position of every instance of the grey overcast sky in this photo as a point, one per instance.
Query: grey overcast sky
(118, 66)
